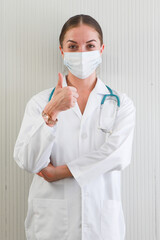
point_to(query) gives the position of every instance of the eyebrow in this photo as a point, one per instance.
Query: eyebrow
(86, 42)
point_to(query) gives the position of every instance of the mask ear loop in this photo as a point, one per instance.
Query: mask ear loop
(99, 69)
(65, 70)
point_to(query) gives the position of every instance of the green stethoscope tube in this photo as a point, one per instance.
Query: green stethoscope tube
(104, 97)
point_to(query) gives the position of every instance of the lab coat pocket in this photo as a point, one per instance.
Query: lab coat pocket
(112, 221)
(106, 124)
(107, 116)
(51, 220)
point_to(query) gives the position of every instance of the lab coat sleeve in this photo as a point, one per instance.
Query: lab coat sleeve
(115, 153)
(34, 143)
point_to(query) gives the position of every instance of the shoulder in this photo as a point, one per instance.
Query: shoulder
(125, 100)
(40, 99)
(123, 97)
(126, 113)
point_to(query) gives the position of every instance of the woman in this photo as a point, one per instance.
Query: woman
(76, 146)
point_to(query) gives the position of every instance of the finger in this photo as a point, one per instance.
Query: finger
(75, 94)
(47, 175)
(73, 102)
(47, 178)
(60, 81)
(40, 174)
(73, 89)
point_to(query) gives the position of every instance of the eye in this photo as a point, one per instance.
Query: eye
(72, 46)
(91, 46)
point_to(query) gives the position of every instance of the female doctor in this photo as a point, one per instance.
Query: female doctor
(76, 139)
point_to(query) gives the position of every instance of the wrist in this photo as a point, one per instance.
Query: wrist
(63, 172)
(47, 118)
(51, 110)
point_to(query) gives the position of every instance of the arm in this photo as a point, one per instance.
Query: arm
(35, 140)
(52, 174)
(33, 146)
(114, 154)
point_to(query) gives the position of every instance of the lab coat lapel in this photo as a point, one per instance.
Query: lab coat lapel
(95, 98)
(92, 103)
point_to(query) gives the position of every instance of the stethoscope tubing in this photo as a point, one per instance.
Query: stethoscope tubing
(104, 97)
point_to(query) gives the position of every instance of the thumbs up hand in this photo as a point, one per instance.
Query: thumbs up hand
(59, 84)
(63, 98)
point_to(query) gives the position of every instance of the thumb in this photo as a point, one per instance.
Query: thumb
(60, 80)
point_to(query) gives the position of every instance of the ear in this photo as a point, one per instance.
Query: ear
(61, 50)
(101, 49)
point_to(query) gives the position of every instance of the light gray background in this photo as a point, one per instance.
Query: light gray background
(30, 61)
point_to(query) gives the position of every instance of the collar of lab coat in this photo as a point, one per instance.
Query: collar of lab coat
(94, 99)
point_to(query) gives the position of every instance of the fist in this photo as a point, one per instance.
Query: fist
(63, 97)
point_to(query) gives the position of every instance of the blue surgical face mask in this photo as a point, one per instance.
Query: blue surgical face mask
(82, 64)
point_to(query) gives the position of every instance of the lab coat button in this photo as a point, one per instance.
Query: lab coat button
(84, 135)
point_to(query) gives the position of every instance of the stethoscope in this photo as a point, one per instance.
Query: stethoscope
(111, 96)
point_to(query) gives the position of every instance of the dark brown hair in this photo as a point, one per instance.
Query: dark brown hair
(76, 21)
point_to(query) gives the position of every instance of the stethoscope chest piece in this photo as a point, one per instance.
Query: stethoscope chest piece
(107, 115)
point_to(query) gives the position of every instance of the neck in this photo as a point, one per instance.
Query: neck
(81, 85)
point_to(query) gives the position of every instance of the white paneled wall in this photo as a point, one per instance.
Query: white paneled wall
(30, 61)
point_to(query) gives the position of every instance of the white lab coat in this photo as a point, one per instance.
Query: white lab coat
(87, 206)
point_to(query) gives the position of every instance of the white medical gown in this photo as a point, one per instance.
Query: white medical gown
(87, 206)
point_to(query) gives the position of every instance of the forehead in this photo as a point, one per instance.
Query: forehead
(82, 33)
